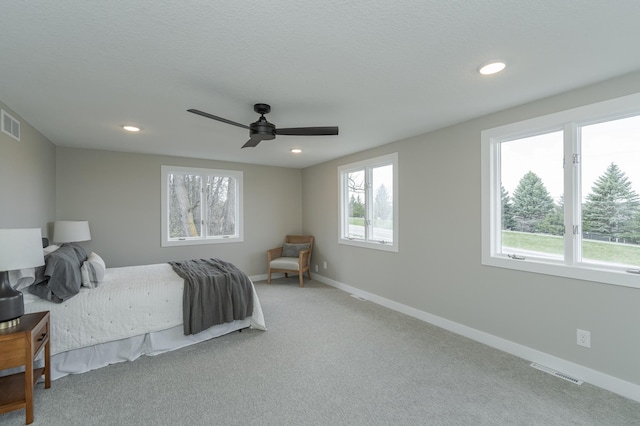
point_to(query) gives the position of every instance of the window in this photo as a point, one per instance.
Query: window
(561, 194)
(369, 203)
(200, 206)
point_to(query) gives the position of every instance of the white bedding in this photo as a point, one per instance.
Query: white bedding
(131, 301)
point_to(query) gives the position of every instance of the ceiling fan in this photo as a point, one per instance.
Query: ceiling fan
(262, 130)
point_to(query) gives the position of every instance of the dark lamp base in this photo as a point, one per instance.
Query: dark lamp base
(11, 303)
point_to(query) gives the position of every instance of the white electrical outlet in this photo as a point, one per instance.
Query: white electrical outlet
(325, 264)
(584, 338)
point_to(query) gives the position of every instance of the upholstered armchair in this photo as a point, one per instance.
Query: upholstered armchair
(293, 257)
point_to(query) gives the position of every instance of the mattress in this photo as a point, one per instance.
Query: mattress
(130, 301)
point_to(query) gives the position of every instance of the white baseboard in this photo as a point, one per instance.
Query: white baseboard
(263, 277)
(596, 378)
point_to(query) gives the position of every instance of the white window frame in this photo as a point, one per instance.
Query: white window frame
(569, 122)
(368, 165)
(171, 242)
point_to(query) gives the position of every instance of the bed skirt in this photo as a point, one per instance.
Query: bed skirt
(137, 310)
(81, 360)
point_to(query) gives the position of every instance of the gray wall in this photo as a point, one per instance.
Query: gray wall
(119, 194)
(27, 179)
(438, 267)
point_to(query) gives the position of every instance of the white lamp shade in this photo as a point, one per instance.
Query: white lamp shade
(20, 248)
(67, 231)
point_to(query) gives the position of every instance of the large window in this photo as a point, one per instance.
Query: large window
(201, 206)
(369, 203)
(561, 193)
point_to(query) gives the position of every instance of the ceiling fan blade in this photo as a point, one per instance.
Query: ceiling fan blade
(224, 120)
(308, 131)
(251, 143)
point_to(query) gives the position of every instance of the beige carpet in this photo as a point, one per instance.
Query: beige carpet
(327, 359)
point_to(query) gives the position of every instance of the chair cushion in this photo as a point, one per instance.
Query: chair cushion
(285, 263)
(292, 250)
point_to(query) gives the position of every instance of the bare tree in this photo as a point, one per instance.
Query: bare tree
(183, 220)
(221, 205)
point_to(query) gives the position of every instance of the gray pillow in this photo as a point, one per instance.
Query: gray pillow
(292, 250)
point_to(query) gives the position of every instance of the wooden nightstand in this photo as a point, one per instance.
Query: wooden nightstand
(19, 346)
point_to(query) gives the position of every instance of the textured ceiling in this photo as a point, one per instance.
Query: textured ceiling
(380, 70)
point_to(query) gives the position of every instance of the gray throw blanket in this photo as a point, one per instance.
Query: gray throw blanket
(60, 279)
(215, 292)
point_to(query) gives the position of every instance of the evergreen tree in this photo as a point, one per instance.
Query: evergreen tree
(531, 202)
(553, 222)
(611, 206)
(507, 210)
(634, 233)
(352, 202)
(382, 203)
(356, 208)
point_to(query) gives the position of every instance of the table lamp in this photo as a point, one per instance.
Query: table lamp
(71, 231)
(19, 249)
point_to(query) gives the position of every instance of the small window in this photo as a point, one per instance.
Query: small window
(201, 206)
(369, 203)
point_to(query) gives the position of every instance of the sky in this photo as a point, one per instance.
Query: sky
(383, 176)
(602, 144)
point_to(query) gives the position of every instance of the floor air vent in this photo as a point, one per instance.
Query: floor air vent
(557, 374)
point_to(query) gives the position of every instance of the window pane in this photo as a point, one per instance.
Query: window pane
(532, 212)
(184, 205)
(357, 208)
(610, 188)
(382, 219)
(221, 206)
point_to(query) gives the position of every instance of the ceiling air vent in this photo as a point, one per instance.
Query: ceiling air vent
(10, 125)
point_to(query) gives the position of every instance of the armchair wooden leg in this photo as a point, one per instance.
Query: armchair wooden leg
(301, 275)
(269, 277)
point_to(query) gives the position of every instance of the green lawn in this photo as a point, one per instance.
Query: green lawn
(627, 254)
(535, 242)
(379, 223)
(356, 221)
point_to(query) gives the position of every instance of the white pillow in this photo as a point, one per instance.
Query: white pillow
(92, 271)
(22, 278)
(50, 249)
(29, 298)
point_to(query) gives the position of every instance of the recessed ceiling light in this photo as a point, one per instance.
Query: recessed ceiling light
(131, 128)
(491, 67)
(296, 150)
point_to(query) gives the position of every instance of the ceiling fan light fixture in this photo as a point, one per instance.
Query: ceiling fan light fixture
(491, 67)
(131, 128)
(296, 150)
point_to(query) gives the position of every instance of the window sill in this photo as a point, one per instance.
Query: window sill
(584, 272)
(369, 245)
(196, 242)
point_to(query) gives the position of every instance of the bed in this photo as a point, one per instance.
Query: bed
(133, 311)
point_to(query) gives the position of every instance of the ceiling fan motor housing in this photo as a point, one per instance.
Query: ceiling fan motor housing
(262, 127)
